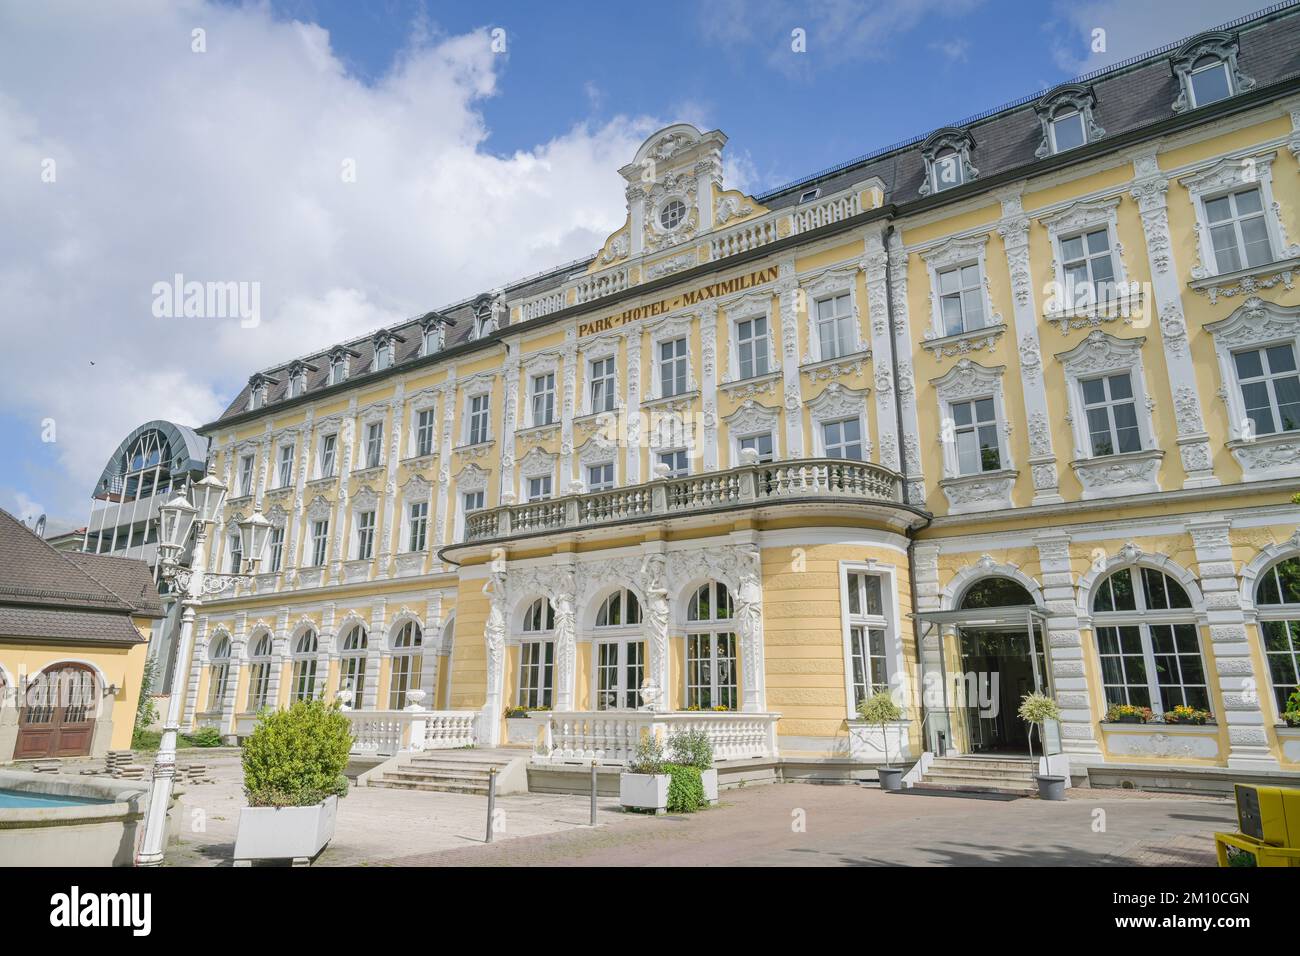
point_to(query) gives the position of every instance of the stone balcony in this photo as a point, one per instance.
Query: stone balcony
(810, 482)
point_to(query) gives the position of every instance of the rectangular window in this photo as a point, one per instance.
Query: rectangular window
(245, 476)
(320, 531)
(1067, 131)
(961, 299)
(835, 326)
(1270, 388)
(338, 371)
(602, 385)
(1088, 269)
(751, 346)
(1238, 230)
(975, 432)
(365, 535)
(259, 686)
(352, 676)
(1210, 83)
(277, 549)
(1123, 666)
(536, 664)
(424, 432)
(472, 501)
(539, 489)
(1282, 651)
(304, 678)
(328, 443)
(620, 671)
(1112, 414)
(418, 515)
(429, 341)
(407, 671)
(761, 444)
(1180, 674)
(286, 466)
(842, 439)
(711, 671)
(382, 356)
(866, 637)
(374, 444)
(677, 461)
(600, 477)
(672, 367)
(948, 170)
(236, 555)
(478, 419)
(543, 405)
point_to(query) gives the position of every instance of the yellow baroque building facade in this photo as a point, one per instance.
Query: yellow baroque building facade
(1013, 406)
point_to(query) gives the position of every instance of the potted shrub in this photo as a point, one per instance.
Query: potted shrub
(644, 784)
(1183, 714)
(1292, 713)
(685, 789)
(1128, 714)
(880, 709)
(1035, 710)
(293, 778)
(692, 748)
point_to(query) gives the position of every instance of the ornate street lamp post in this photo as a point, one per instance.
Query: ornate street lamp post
(177, 518)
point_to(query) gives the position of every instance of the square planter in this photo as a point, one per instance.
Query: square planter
(710, 780)
(644, 791)
(285, 833)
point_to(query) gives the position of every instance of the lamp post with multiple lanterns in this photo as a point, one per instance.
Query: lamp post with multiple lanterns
(178, 518)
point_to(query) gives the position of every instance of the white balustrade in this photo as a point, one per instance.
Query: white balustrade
(611, 737)
(832, 209)
(386, 732)
(751, 235)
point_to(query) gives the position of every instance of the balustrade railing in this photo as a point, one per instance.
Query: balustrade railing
(753, 484)
(611, 737)
(751, 235)
(827, 211)
(387, 732)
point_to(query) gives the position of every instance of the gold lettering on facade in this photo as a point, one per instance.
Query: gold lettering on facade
(690, 297)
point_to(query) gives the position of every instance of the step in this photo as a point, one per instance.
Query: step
(429, 787)
(441, 761)
(979, 773)
(441, 773)
(974, 785)
(987, 763)
(958, 780)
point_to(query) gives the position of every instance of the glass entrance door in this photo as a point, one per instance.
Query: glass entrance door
(620, 671)
(997, 669)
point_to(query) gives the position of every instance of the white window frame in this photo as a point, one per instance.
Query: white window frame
(835, 403)
(750, 419)
(1229, 175)
(1079, 219)
(622, 637)
(887, 620)
(247, 475)
(333, 456)
(383, 356)
(338, 369)
(275, 549)
(765, 352)
(982, 490)
(680, 363)
(673, 471)
(956, 253)
(485, 395)
(284, 464)
(601, 486)
(372, 436)
(431, 339)
(711, 628)
(755, 438)
(363, 534)
(305, 672)
(318, 541)
(610, 383)
(406, 666)
(354, 661)
(416, 412)
(541, 399)
(974, 428)
(540, 634)
(413, 522)
(234, 553)
(961, 143)
(260, 666)
(669, 331)
(1236, 220)
(539, 488)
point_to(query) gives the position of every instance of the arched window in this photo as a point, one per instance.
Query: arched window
(259, 676)
(995, 592)
(1277, 597)
(304, 666)
(710, 649)
(537, 656)
(620, 652)
(352, 664)
(408, 663)
(218, 672)
(1148, 642)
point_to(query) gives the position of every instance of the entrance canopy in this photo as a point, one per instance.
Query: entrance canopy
(1021, 616)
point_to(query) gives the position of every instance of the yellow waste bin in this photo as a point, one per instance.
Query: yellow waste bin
(1269, 820)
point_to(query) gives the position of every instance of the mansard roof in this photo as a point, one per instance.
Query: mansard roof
(1136, 93)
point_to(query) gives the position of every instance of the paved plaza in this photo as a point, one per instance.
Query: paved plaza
(780, 824)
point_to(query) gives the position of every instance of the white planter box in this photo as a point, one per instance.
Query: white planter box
(524, 731)
(284, 833)
(644, 791)
(710, 780)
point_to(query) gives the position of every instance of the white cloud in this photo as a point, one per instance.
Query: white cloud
(1130, 28)
(226, 166)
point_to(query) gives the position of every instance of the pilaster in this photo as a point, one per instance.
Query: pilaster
(1065, 647)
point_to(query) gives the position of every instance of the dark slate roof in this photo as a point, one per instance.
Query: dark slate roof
(129, 579)
(1136, 93)
(67, 596)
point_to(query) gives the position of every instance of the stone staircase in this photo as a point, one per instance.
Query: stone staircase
(974, 774)
(448, 771)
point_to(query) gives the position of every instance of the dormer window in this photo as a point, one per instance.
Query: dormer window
(1207, 71)
(298, 379)
(484, 317)
(258, 389)
(339, 365)
(947, 160)
(1067, 120)
(385, 346)
(432, 334)
(809, 195)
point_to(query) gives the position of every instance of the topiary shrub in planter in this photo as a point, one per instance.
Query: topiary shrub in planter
(1035, 710)
(880, 709)
(692, 748)
(644, 784)
(293, 777)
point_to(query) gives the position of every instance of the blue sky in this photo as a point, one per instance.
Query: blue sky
(477, 165)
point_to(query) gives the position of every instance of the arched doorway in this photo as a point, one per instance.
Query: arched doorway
(999, 625)
(57, 714)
